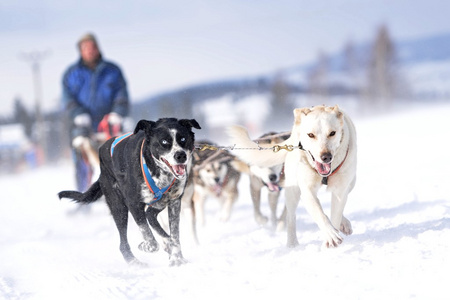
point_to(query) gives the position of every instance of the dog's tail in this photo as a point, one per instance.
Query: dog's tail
(264, 158)
(91, 195)
(240, 166)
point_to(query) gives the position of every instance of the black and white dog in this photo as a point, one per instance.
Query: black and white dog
(142, 173)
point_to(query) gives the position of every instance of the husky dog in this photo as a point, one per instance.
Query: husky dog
(326, 138)
(142, 173)
(216, 174)
(270, 177)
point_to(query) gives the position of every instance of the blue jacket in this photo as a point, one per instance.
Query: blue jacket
(96, 92)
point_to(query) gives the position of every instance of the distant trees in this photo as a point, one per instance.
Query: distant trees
(382, 70)
(318, 80)
(372, 72)
(280, 91)
(350, 57)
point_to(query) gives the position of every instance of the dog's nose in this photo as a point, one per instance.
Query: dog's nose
(272, 177)
(326, 157)
(216, 179)
(180, 157)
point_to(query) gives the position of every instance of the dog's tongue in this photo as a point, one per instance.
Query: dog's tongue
(217, 189)
(180, 170)
(273, 187)
(323, 169)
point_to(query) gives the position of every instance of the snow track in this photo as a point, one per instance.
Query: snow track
(400, 213)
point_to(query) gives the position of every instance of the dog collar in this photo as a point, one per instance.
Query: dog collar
(151, 185)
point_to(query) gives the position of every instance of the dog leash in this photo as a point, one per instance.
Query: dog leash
(276, 148)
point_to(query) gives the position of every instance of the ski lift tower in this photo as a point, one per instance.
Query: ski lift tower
(35, 58)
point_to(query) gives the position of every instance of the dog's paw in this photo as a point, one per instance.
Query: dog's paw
(261, 220)
(292, 243)
(177, 260)
(332, 238)
(135, 263)
(224, 217)
(147, 246)
(346, 226)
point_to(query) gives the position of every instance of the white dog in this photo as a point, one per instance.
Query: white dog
(326, 154)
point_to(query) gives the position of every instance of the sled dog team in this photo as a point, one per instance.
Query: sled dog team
(158, 166)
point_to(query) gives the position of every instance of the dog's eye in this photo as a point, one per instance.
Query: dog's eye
(164, 142)
(311, 135)
(332, 133)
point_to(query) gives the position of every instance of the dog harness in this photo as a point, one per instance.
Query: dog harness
(325, 178)
(157, 192)
(118, 140)
(151, 185)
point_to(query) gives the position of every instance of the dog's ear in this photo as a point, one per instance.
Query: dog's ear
(337, 111)
(298, 112)
(189, 123)
(144, 125)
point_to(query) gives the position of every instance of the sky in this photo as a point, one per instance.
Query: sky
(164, 45)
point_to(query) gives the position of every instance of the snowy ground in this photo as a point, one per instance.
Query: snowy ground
(400, 212)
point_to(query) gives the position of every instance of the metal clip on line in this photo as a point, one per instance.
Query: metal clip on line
(277, 148)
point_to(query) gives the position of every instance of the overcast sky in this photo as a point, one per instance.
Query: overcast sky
(162, 45)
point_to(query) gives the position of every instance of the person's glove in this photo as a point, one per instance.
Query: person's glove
(82, 120)
(115, 119)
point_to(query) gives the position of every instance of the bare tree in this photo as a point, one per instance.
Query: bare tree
(382, 73)
(280, 98)
(350, 58)
(318, 78)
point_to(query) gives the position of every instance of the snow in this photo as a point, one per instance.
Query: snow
(429, 79)
(399, 210)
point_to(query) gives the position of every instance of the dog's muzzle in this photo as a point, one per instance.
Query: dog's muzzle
(178, 170)
(272, 185)
(323, 168)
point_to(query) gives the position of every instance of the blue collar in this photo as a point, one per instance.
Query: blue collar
(157, 192)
